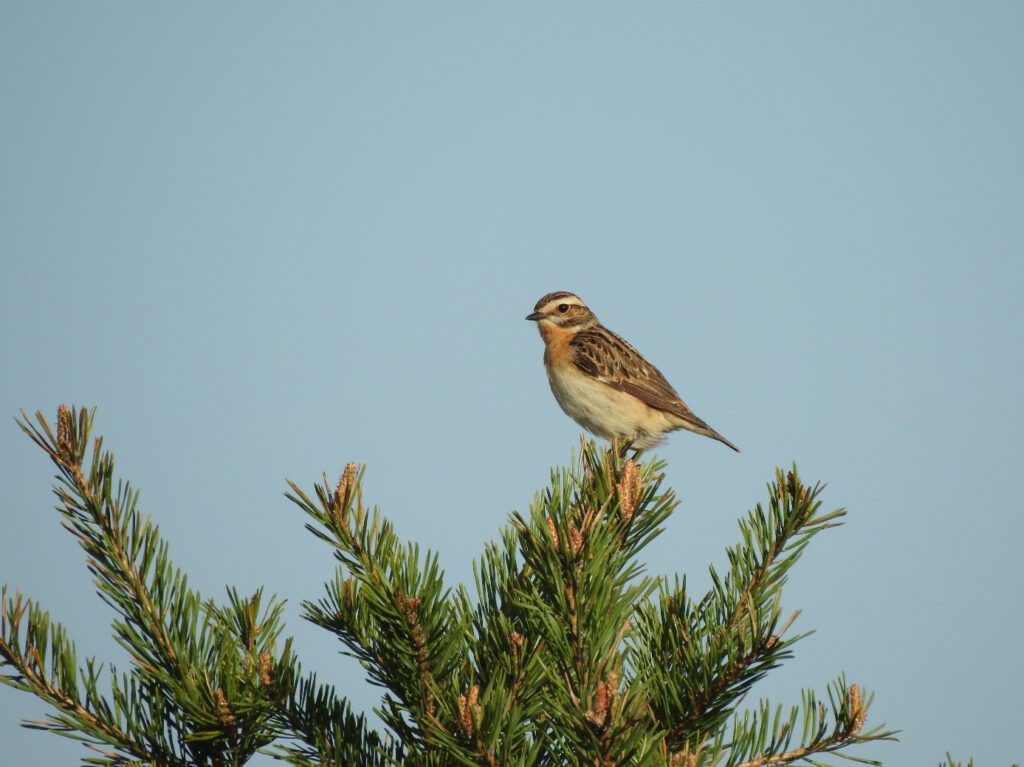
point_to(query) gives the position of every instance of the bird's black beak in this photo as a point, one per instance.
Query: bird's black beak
(535, 316)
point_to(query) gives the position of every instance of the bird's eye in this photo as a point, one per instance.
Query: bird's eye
(563, 308)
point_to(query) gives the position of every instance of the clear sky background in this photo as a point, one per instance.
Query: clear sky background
(266, 240)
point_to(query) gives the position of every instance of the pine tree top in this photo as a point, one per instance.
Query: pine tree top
(564, 652)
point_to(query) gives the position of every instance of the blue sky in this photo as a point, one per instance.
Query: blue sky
(268, 240)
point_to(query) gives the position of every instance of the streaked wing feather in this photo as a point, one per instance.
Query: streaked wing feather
(610, 359)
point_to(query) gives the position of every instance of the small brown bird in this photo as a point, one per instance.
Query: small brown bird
(603, 383)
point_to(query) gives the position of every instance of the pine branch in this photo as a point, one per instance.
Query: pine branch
(764, 738)
(322, 730)
(579, 546)
(781, 536)
(720, 647)
(390, 608)
(570, 653)
(498, 707)
(98, 519)
(29, 643)
(202, 686)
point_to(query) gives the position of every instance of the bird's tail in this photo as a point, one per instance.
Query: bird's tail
(687, 420)
(715, 435)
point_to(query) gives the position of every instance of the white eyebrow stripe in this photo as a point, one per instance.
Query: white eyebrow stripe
(571, 300)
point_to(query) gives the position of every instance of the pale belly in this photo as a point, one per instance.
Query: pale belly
(606, 412)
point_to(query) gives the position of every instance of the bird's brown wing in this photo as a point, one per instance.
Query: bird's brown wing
(604, 356)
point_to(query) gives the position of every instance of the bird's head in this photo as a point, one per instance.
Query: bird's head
(562, 310)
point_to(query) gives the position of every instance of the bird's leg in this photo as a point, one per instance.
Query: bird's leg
(627, 445)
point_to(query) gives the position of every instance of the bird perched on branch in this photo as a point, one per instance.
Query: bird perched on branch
(603, 383)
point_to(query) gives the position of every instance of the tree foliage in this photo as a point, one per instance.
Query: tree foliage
(564, 653)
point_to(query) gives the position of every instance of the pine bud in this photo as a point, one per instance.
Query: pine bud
(858, 713)
(65, 429)
(553, 530)
(470, 712)
(629, 489)
(224, 714)
(597, 715)
(266, 669)
(576, 537)
(343, 494)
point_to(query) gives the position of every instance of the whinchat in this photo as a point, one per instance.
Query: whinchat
(603, 383)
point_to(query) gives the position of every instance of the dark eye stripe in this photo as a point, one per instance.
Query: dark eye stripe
(550, 297)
